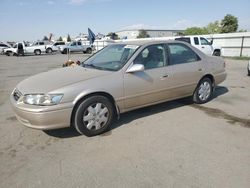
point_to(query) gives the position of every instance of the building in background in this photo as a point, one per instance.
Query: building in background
(133, 33)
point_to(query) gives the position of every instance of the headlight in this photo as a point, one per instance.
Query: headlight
(42, 99)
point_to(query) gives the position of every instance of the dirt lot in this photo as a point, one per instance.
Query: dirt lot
(175, 144)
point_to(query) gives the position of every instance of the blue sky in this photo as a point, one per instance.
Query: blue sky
(32, 19)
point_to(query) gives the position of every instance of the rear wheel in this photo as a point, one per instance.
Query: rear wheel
(217, 53)
(49, 50)
(93, 115)
(89, 51)
(37, 52)
(203, 91)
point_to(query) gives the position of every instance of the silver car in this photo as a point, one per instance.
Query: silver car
(119, 78)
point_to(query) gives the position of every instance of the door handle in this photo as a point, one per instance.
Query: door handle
(202, 47)
(165, 76)
(200, 69)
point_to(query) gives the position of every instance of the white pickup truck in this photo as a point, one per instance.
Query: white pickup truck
(202, 44)
(77, 46)
(37, 48)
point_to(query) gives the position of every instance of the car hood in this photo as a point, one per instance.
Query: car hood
(48, 81)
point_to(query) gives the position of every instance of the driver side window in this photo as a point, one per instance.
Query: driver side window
(151, 57)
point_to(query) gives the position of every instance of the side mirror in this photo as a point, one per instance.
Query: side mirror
(136, 68)
(212, 41)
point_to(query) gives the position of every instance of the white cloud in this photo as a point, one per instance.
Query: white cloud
(51, 2)
(79, 2)
(139, 26)
(183, 24)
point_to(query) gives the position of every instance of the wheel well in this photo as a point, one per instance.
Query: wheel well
(210, 77)
(89, 49)
(217, 50)
(107, 95)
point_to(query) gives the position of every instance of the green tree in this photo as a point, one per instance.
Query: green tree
(68, 38)
(214, 27)
(113, 36)
(143, 34)
(196, 31)
(60, 39)
(229, 24)
(45, 38)
(242, 30)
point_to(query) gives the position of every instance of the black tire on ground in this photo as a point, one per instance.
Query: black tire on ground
(203, 91)
(87, 116)
(37, 52)
(89, 51)
(217, 53)
(9, 53)
(64, 51)
(49, 50)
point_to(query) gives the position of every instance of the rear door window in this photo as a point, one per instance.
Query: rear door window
(196, 40)
(184, 39)
(180, 54)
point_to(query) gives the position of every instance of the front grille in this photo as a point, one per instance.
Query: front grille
(17, 94)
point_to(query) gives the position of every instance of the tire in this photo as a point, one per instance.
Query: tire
(93, 116)
(217, 53)
(89, 51)
(203, 91)
(64, 51)
(49, 51)
(37, 52)
(9, 53)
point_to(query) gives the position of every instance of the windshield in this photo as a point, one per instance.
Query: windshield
(112, 57)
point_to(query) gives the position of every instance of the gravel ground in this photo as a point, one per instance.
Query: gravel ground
(174, 144)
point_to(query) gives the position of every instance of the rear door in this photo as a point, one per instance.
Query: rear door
(186, 67)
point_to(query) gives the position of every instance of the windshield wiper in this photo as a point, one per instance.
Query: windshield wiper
(96, 67)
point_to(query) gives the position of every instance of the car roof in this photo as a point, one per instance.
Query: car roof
(147, 42)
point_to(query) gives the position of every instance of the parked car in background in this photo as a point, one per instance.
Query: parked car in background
(202, 44)
(54, 47)
(37, 48)
(3, 46)
(58, 44)
(119, 78)
(77, 46)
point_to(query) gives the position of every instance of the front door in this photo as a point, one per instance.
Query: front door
(205, 46)
(151, 85)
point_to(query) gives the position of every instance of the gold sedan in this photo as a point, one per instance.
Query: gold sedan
(119, 78)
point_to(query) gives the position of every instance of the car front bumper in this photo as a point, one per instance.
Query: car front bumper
(42, 117)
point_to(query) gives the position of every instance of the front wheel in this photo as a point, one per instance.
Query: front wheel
(203, 91)
(37, 52)
(9, 53)
(93, 115)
